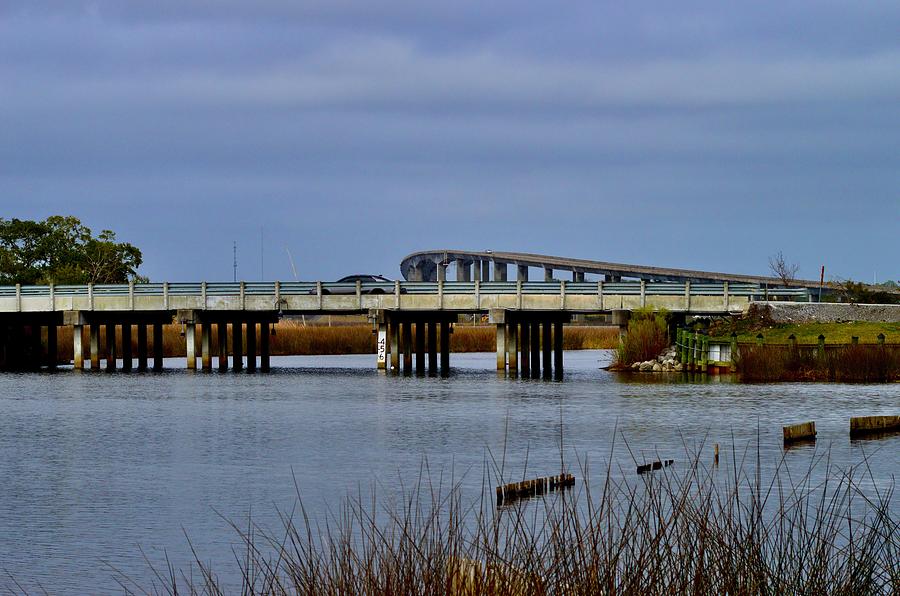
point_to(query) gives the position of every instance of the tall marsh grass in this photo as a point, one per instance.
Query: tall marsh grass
(646, 338)
(852, 363)
(694, 530)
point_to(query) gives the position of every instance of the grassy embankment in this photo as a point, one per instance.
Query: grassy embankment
(808, 333)
(292, 338)
(696, 530)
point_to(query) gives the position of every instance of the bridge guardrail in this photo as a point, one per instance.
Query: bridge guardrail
(450, 287)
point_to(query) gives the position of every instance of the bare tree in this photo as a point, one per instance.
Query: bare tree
(786, 272)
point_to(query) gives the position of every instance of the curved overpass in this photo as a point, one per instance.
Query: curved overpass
(431, 265)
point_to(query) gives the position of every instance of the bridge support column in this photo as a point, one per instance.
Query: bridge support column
(522, 272)
(205, 347)
(432, 348)
(535, 350)
(548, 346)
(95, 346)
(499, 271)
(77, 348)
(420, 347)
(237, 345)
(265, 362)
(222, 329)
(558, 350)
(613, 278)
(142, 346)
(407, 347)
(126, 347)
(525, 350)
(463, 271)
(394, 345)
(485, 271)
(512, 347)
(548, 274)
(476, 270)
(111, 355)
(442, 271)
(52, 349)
(157, 347)
(578, 276)
(445, 348)
(190, 344)
(251, 346)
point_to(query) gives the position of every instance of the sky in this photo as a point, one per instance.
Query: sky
(695, 134)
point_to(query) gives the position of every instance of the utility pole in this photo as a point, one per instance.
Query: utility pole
(234, 265)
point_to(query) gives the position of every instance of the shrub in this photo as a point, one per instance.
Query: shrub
(646, 338)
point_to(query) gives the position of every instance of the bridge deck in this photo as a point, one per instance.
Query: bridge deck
(318, 297)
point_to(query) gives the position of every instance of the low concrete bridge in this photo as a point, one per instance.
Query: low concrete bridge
(432, 265)
(408, 317)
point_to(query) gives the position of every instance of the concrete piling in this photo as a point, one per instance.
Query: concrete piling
(95, 346)
(420, 347)
(535, 350)
(512, 347)
(432, 348)
(558, 350)
(190, 345)
(237, 345)
(222, 328)
(157, 347)
(126, 347)
(251, 346)
(548, 347)
(205, 347)
(142, 346)
(265, 360)
(525, 350)
(445, 348)
(111, 355)
(406, 340)
(77, 348)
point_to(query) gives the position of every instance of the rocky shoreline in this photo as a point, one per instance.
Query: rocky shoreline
(666, 362)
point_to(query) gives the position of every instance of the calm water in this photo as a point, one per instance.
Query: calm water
(97, 467)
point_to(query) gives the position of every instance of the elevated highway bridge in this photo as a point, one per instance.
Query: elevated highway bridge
(432, 265)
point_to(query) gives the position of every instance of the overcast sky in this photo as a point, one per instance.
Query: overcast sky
(705, 135)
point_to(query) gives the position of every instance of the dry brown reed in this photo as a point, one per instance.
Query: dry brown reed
(694, 531)
(851, 363)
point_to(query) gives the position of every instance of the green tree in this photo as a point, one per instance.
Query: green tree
(62, 250)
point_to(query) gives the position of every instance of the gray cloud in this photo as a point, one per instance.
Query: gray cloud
(356, 132)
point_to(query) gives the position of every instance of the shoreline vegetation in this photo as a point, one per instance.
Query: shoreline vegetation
(693, 528)
(292, 338)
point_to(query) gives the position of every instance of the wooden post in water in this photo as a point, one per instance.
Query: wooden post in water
(805, 431)
(716, 454)
(867, 425)
(734, 351)
(704, 352)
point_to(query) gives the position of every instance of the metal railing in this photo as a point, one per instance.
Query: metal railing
(635, 288)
